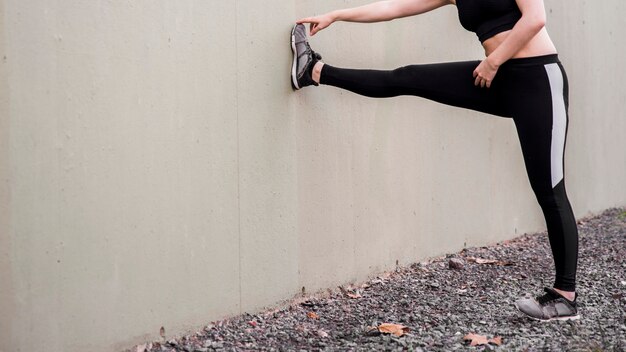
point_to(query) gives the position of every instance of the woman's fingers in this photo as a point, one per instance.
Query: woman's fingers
(482, 82)
(484, 74)
(316, 23)
(316, 27)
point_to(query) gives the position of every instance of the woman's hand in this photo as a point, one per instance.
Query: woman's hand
(317, 23)
(484, 73)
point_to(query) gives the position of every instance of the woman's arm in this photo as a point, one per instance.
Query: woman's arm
(385, 10)
(532, 21)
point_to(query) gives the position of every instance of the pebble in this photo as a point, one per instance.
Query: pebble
(456, 263)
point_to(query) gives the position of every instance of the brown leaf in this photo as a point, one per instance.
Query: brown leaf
(476, 339)
(348, 292)
(395, 329)
(482, 340)
(312, 315)
(353, 295)
(162, 332)
(489, 261)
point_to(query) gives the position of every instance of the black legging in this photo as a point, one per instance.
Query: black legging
(533, 91)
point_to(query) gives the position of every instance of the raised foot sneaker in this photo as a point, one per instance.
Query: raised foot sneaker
(304, 58)
(550, 306)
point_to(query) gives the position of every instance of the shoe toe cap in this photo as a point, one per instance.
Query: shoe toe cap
(530, 307)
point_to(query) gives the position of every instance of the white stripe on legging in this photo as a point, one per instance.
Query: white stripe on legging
(559, 122)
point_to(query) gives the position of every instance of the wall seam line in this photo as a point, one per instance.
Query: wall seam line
(238, 147)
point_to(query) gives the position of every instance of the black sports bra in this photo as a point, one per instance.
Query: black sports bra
(488, 17)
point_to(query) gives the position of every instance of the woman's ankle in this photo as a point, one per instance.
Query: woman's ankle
(317, 71)
(570, 295)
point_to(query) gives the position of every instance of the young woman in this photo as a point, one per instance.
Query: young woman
(520, 78)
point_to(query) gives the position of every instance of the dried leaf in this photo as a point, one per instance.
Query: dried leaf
(482, 340)
(476, 339)
(347, 292)
(353, 295)
(489, 261)
(395, 329)
(312, 315)
(252, 322)
(162, 332)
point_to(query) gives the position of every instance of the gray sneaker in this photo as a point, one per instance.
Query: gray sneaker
(550, 306)
(304, 58)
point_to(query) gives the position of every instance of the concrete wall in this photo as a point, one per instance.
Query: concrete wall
(156, 168)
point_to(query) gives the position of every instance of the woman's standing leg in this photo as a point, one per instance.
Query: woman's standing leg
(539, 100)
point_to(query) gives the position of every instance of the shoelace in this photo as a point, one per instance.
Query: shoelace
(545, 298)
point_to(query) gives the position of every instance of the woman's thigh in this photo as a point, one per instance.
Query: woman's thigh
(538, 101)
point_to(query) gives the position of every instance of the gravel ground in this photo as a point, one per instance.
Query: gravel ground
(440, 304)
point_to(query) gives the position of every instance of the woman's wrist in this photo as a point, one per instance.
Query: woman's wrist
(335, 15)
(493, 61)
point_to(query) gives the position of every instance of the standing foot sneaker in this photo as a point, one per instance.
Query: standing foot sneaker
(550, 306)
(304, 58)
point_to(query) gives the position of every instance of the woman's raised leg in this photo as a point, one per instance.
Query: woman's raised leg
(449, 83)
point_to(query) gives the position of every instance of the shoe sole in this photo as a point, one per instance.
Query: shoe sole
(573, 317)
(294, 79)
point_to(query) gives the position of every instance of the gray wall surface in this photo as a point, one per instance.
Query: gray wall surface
(156, 168)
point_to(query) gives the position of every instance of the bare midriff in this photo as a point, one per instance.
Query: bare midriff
(540, 44)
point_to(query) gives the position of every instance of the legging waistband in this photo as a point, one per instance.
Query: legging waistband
(532, 60)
